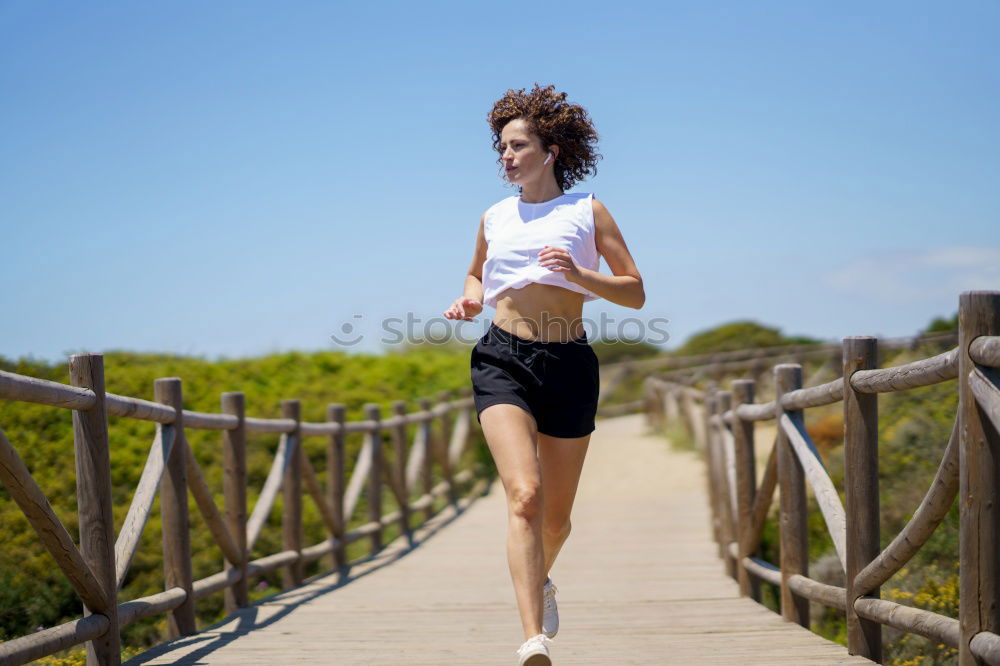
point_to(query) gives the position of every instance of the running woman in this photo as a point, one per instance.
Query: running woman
(534, 374)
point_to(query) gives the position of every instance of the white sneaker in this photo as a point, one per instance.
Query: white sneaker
(534, 651)
(550, 611)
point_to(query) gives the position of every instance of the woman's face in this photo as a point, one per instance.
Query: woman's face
(522, 153)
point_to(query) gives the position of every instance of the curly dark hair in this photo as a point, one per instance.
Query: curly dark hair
(554, 121)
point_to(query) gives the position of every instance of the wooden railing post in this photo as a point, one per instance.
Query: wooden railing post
(712, 467)
(372, 413)
(654, 413)
(337, 413)
(93, 494)
(864, 637)
(174, 513)
(234, 489)
(758, 368)
(979, 468)
(724, 400)
(648, 395)
(792, 490)
(291, 496)
(687, 412)
(657, 396)
(671, 409)
(426, 476)
(399, 451)
(746, 485)
(441, 446)
(461, 433)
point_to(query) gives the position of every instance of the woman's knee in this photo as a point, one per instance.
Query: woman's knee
(559, 529)
(525, 500)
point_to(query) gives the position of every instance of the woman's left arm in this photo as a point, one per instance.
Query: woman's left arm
(625, 286)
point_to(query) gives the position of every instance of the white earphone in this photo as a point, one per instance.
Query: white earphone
(548, 158)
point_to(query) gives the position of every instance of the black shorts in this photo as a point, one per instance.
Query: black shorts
(556, 382)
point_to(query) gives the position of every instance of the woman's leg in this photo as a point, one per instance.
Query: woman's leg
(561, 461)
(511, 434)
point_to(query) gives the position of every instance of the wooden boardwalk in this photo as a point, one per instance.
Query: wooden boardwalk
(639, 583)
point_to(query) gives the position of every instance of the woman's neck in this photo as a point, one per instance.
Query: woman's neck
(541, 193)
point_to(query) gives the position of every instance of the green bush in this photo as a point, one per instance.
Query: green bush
(738, 335)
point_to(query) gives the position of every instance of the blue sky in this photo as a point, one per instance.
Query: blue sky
(235, 178)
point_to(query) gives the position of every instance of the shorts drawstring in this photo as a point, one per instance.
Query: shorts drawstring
(535, 353)
(538, 350)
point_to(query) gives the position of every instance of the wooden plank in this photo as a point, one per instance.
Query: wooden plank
(985, 350)
(985, 386)
(828, 595)
(932, 510)
(654, 596)
(986, 645)
(272, 485)
(209, 511)
(47, 641)
(137, 408)
(915, 620)
(819, 479)
(765, 495)
(359, 476)
(154, 604)
(44, 392)
(923, 372)
(814, 396)
(315, 490)
(36, 508)
(142, 500)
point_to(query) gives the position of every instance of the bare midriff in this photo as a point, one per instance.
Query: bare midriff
(542, 312)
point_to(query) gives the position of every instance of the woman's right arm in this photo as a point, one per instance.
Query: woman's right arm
(474, 279)
(471, 302)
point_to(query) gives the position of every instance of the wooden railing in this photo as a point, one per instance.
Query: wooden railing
(722, 422)
(99, 566)
(755, 362)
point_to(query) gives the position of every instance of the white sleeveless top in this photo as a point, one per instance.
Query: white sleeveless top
(516, 233)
